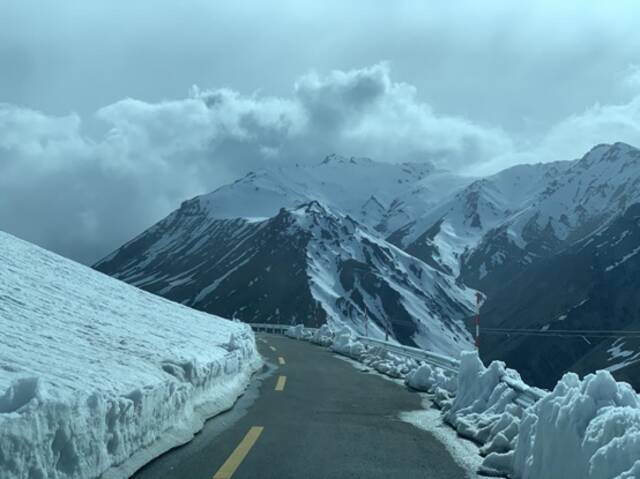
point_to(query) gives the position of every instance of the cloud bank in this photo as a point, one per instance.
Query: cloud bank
(83, 196)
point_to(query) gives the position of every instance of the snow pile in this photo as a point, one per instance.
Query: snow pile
(385, 362)
(298, 332)
(586, 428)
(98, 377)
(347, 344)
(323, 336)
(485, 410)
(432, 379)
(344, 341)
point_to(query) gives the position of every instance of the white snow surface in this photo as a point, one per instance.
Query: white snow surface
(620, 357)
(566, 200)
(583, 429)
(98, 377)
(586, 428)
(383, 194)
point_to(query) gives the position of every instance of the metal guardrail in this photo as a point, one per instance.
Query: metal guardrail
(269, 327)
(527, 395)
(439, 360)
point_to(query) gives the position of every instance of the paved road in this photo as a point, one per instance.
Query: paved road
(328, 420)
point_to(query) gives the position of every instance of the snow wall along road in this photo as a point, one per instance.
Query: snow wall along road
(98, 377)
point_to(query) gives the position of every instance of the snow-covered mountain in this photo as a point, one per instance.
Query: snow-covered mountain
(498, 225)
(305, 264)
(577, 199)
(383, 196)
(525, 237)
(407, 241)
(459, 224)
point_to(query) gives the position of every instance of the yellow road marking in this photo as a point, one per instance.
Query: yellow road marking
(238, 455)
(272, 348)
(281, 360)
(282, 380)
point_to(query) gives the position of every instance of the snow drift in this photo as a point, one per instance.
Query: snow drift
(586, 428)
(583, 429)
(98, 377)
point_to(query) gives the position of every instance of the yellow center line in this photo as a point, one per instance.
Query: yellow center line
(272, 348)
(282, 380)
(238, 455)
(281, 360)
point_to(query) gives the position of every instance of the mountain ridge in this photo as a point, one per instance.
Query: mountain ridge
(365, 228)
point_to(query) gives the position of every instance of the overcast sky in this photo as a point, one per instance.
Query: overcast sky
(112, 112)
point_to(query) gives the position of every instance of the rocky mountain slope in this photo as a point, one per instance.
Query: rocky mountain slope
(580, 305)
(306, 264)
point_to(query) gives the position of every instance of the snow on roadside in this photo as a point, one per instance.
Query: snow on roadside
(465, 454)
(587, 428)
(584, 429)
(98, 377)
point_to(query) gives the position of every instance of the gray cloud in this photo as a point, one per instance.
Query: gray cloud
(82, 196)
(502, 63)
(482, 88)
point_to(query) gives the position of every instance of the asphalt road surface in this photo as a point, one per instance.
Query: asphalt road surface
(310, 415)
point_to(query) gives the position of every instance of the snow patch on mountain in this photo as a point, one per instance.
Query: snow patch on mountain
(379, 195)
(350, 272)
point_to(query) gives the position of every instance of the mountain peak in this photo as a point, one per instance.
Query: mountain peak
(312, 206)
(335, 159)
(607, 152)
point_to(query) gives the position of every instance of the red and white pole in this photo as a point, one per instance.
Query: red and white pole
(478, 300)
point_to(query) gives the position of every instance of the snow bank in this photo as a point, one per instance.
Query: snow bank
(323, 336)
(298, 332)
(583, 429)
(98, 377)
(385, 362)
(586, 428)
(430, 379)
(346, 343)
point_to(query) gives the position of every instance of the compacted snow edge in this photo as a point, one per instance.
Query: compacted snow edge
(99, 434)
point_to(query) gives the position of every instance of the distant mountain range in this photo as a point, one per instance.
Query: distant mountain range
(553, 246)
